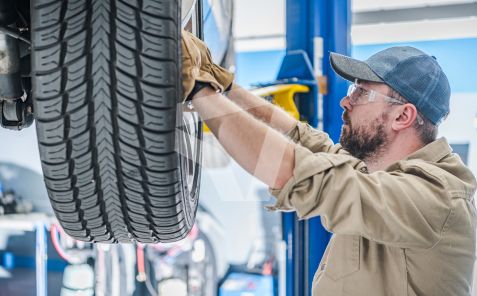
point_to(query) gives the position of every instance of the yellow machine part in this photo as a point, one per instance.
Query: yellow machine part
(282, 95)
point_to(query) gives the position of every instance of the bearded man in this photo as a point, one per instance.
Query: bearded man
(398, 201)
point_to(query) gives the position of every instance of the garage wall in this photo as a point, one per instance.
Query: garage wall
(259, 25)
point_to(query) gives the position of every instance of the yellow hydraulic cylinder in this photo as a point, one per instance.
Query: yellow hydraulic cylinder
(283, 95)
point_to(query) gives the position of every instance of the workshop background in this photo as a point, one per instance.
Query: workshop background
(243, 236)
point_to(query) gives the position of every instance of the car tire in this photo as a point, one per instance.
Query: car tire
(120, 158)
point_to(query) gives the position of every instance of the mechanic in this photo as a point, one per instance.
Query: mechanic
(398, 201)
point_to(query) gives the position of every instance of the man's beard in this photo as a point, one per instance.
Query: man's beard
(364, 142)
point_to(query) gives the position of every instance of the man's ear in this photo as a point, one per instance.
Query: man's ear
(405, 117)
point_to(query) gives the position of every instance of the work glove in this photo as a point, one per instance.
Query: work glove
(198, 70)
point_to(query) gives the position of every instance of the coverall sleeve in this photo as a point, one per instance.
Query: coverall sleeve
(314, 139)
(406, 207)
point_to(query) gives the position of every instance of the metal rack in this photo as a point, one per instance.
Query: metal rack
(40, 224)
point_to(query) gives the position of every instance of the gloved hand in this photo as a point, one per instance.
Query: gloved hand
(197, 66)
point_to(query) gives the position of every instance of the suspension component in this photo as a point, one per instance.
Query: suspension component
(15, 105)
(10, 78)
(16, 108)
(16, 114)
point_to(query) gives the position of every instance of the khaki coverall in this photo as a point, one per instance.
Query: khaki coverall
(407, 230)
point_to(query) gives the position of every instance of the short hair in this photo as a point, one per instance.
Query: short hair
(426, 130)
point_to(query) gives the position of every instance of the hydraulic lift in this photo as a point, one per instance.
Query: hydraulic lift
(308, 89)
(314, 29)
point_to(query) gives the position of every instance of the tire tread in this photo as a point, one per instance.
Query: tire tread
(105, 80)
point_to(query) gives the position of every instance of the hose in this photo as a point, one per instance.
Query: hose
(143, 273)
(55, 239)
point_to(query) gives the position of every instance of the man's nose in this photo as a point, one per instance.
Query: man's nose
(344, 103)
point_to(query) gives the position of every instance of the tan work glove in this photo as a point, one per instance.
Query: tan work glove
(197, 65)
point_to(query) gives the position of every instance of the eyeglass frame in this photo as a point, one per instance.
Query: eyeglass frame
(372, 94)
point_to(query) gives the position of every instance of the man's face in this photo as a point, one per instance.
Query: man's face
(365, 127)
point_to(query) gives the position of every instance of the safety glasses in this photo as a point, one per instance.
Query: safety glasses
(359, 95)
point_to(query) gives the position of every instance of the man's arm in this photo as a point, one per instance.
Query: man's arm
(407, 207)
(261, 109)
(277, 118)
(259, 149)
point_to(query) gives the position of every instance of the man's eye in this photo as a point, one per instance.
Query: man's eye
(362, 91)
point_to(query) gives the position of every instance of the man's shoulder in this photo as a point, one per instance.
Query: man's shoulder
(442, 168)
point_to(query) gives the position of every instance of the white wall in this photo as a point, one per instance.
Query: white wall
(259, 24)
(459, 127)
(20, 147)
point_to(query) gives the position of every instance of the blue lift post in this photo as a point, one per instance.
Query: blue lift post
(330, 21)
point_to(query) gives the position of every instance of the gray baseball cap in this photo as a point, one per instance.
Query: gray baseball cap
(414, 74)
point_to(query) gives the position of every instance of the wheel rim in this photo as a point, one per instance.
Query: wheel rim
(190, 135)
(189, 128)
